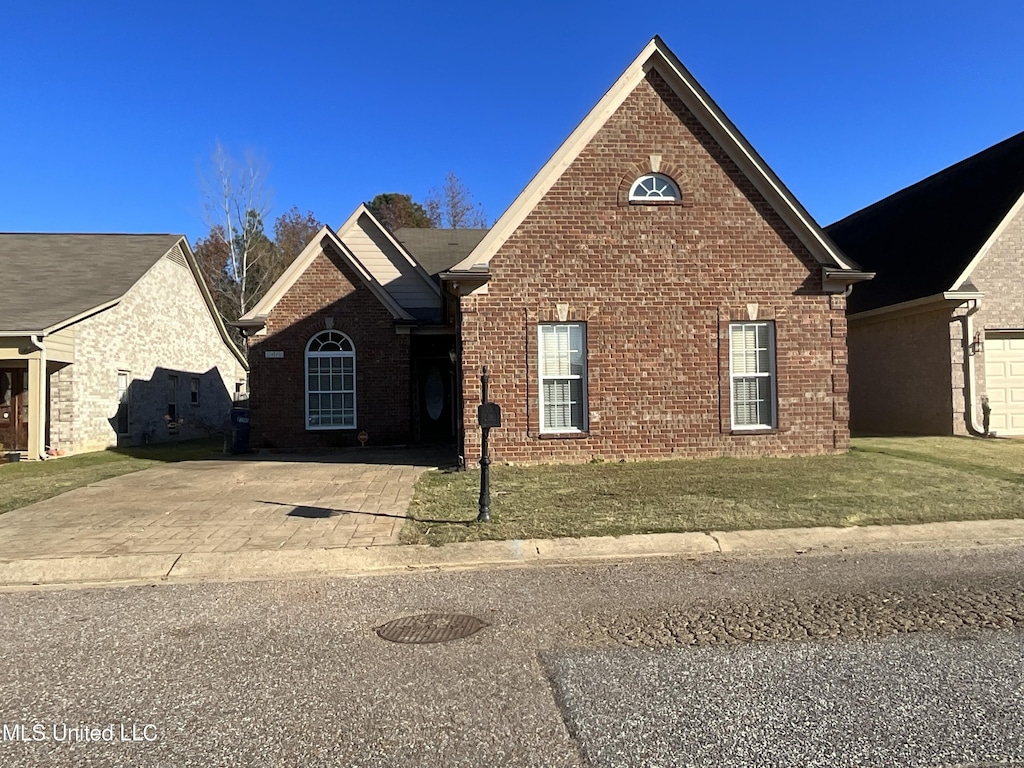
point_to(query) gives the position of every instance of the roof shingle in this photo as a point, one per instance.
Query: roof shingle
(49, 278)
(920, 239)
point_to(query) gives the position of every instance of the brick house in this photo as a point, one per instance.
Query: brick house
(354, 338)
(938, 336)
(655, 291)
(108, 340)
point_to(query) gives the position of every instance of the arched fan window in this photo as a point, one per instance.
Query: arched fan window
(654, 188)
(330, 381)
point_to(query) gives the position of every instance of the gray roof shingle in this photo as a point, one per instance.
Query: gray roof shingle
(439, 249)
(49, 278)
(920, 239)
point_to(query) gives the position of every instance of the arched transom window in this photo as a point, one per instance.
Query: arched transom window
(330, 382)
(654, 188)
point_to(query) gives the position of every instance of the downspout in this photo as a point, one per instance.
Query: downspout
(37, 341)
(969, 387)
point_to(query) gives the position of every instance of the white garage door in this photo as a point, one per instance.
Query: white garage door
(1004, 381)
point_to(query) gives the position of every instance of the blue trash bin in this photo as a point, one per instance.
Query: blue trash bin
(239, 430)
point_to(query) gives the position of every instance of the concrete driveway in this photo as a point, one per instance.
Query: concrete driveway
(225, 505)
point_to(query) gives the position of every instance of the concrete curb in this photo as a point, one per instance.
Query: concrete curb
(244, 565)
(73, 570)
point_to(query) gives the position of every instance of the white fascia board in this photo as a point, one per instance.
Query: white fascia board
(553, 169)
(656, 55)
(992, 240)
(919, 305)
(79, 317)
(313, 249)
(287, 279)
(368, 278)
(363, 210)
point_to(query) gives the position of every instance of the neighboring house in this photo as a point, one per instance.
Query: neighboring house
(939, 334)
(655, 291)
(109, 340)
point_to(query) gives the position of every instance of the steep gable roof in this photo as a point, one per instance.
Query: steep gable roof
(439, 249)
(657, 56)
(53, 278)
(922, 240)
(382, 263)
(326, 237)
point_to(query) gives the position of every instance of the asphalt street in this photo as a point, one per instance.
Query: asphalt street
(900, 658)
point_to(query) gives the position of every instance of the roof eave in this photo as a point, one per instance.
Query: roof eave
(465, 281)
(925, 303)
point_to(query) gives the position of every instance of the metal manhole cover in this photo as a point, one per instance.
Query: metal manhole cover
(430, 628)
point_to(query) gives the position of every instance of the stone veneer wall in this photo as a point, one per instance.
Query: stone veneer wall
(161, 327)
(1000, 276)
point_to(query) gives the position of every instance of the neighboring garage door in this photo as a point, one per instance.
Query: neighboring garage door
(1004, 381)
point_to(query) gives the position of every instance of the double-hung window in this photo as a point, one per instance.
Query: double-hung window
(752, 374)
(330, 382)
(563, 377)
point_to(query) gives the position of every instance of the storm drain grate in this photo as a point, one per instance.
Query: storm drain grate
(430, 628)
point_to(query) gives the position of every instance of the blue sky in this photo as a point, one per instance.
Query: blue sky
(109, 107)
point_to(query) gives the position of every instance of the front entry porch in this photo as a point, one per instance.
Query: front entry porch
(26, 364)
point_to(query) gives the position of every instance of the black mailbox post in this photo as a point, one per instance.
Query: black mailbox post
(488, 416)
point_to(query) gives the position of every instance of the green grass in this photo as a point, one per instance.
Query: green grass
(26, 482)
(881, 481)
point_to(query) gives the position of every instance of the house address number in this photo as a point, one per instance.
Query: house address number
(274, 354)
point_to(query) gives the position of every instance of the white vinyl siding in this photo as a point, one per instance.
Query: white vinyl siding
(330, 382)
(563, 377)
(388, 266)
(752, 375)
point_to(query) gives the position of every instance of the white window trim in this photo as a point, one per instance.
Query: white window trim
(541, 378)
(306, 392)
(675, 195)
(195, 388)
(770, 374)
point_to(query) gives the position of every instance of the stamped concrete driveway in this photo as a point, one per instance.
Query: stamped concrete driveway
(225, 505)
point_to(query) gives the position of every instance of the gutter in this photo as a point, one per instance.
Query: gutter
(969, 383)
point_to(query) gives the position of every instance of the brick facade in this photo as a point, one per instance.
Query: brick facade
(909, 370)
(901, 381)
(329, 294)
(657, 286)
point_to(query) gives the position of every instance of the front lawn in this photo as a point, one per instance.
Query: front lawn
(881, 481)
(26, 482)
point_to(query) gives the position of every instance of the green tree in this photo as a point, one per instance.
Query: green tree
(395, 210)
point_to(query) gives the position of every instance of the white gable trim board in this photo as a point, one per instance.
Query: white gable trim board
(657, 56)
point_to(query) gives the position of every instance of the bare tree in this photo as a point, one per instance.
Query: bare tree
(236, 202)
(452, 206)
